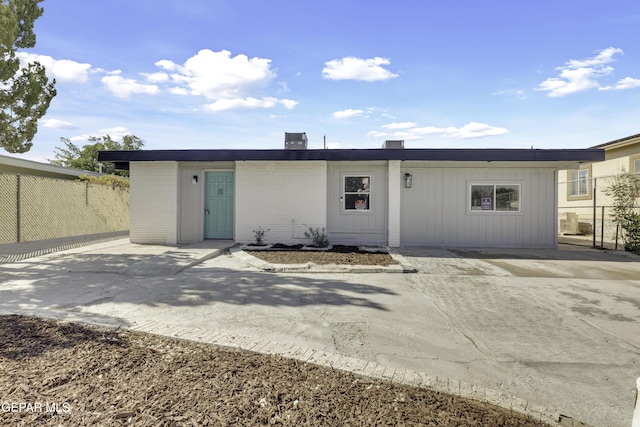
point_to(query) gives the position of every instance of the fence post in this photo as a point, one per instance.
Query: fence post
(18, 209)
(602, 228)
(595, 186)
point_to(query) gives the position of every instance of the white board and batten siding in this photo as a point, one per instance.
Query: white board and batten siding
(436, 210)
(362, 227)
(282, 196)
(153, 202)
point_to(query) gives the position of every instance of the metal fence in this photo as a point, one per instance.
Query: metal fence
(38, 208)
(585, 212)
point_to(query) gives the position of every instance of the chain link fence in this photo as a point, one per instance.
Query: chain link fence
(586, 212)
(38, 208)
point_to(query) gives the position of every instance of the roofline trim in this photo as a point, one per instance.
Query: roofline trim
(482, 155)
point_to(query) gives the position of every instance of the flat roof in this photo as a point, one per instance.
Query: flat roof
(122, 158)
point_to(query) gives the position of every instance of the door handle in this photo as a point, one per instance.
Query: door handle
(206, 210)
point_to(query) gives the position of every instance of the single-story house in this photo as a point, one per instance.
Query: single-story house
(389, 196)
(17, 166)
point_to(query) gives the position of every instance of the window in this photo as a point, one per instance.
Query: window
(634, 163)
(357, 193)
(579, 183)
(495, 197)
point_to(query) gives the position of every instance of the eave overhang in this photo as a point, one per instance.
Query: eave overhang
(121, 159)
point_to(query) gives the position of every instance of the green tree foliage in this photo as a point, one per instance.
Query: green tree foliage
(86, 157)
(108, 180)
(624, 189)
(25, 93)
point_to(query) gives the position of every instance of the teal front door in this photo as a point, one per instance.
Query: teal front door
(218, 205)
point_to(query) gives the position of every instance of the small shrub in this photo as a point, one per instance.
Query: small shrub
(631, 226)
(259, 235)
(110, 180)
(318, 236)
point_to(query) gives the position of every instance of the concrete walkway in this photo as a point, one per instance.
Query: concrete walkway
(555, 334)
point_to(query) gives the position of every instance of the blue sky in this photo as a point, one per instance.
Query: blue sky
(438, 74)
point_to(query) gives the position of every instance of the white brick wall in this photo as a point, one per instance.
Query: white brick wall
(154, 189)
(282, 196)
(395, 181)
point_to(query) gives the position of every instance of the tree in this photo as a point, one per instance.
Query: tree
(86, 158)
(25, 93)
(624, 190)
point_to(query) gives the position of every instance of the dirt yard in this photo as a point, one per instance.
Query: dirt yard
(101, 377)
(349, 255)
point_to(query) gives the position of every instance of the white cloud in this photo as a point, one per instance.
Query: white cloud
(348, 113)
(628, 83)
(124, 88)
(63, 70)
(352, 68)
(116, 133)
(578, 75)
(249, 103)
(230, 82)
(478, 130)
(518, 93)
(468, 131)
(403, 125)
(159, 77)
(57, 124)
(377, 134)
(178, 91)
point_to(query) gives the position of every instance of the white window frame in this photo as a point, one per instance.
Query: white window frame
(493, 211)
(581, 182)
(345, 193)
(579, 178)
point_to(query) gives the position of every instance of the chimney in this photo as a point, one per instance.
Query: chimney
(295, 141)
(393, 144)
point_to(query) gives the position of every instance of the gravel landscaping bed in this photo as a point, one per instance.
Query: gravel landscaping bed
(343, 255)
(110, 378)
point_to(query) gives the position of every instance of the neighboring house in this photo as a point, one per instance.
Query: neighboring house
(16, 166)
(390, 196)
(576, 200)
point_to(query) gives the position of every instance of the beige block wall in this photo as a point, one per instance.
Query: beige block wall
(55, 208)
(154, 189)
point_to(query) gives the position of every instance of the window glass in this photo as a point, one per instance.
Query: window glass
(357, 193)
(482, 197)
(636, 165)
(507, 197)
(579, 182)
(495, 197)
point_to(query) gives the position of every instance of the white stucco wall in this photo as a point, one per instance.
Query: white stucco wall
(154, 202)
(283, 196)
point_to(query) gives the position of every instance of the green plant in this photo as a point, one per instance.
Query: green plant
(111, 180)
(631, 227)
(623, 189)
(259, 235)
(318, 236)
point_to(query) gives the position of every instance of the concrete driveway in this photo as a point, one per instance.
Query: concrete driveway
(559, 329)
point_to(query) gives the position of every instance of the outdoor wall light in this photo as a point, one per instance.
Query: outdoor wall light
(408, 180)
(194, 180)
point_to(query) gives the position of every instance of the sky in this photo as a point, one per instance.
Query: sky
(222, 74)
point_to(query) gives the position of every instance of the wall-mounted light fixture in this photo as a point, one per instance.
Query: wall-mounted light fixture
(408, 180)
(194, 180)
